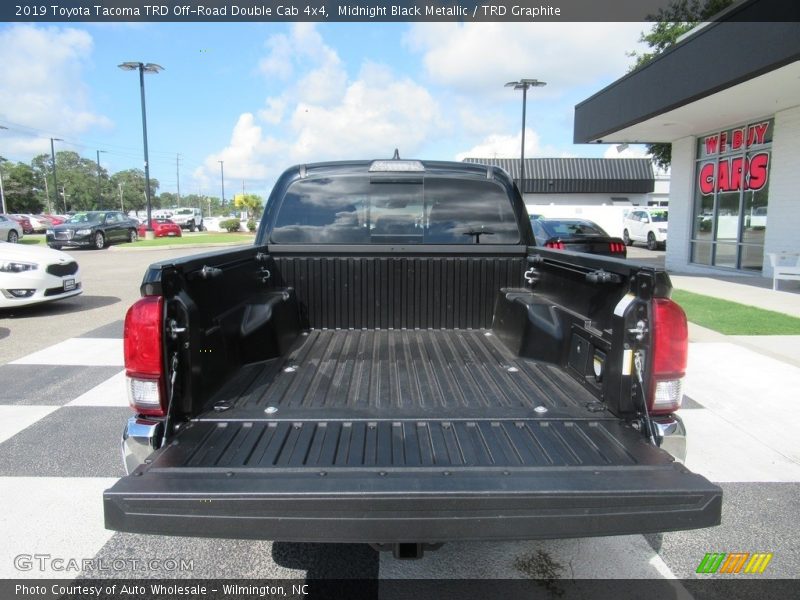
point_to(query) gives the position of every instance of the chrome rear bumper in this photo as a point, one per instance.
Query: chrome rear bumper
(140, 438)
(673, 435)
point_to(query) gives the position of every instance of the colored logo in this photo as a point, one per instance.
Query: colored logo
(736, 562)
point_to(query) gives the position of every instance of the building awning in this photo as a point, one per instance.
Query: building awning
(737, 68)
(579, 175)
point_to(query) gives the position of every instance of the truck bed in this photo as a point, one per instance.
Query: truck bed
(390, 374)
(391, 398)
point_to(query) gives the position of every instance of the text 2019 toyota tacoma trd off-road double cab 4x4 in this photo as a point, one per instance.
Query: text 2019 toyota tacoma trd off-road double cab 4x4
(395, 362)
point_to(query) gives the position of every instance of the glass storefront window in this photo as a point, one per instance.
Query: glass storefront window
(731, 196)
(701, 253)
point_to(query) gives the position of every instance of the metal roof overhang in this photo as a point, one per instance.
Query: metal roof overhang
(724, 73)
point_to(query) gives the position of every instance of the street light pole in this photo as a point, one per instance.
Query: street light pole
(222, 178)
(144, 68)
(55, 180)
(98, 176)
(2, 192)
(524, 84)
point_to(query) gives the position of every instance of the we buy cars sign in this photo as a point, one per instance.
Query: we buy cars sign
(748, 172)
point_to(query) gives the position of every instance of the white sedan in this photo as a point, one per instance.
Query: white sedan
(10, 230)
(33, 274)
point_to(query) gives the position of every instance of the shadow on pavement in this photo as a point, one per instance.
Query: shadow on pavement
(76, 304)
(328, 561)
(4, 332)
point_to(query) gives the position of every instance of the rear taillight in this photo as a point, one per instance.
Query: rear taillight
(555, 245)
(616, 248)
(144, 367)
(670, 353)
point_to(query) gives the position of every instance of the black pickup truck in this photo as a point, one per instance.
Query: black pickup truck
(395, 362)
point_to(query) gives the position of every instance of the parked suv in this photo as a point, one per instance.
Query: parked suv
(188, 218)
(647, 225)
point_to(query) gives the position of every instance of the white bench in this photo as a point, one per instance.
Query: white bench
(785, 265)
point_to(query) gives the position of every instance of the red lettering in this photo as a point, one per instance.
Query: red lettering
(758, 171)
(757, 133)
(723, 176)
(711, 144)
(707, 179)
(761, 132)
(736, 174)
(738, 139)
(723, 141)
(730, 172)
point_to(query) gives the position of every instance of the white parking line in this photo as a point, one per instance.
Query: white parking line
(56, 517)
(111, 392)
(14, 419)
(88, 352)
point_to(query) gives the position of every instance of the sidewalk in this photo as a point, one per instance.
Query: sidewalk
(752, 291)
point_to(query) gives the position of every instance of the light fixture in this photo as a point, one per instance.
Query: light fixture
(144, 68)
(524, 84)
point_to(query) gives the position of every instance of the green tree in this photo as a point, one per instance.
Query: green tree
(169, 200)
(130, 183)
(252, 203)
(671, 23)
(19, 186)
(77, 178)
(43, 172)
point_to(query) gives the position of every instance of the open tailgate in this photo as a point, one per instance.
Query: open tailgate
(390, 481)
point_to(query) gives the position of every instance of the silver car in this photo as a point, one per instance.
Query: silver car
(10, 230)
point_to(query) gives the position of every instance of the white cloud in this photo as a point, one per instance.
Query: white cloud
(278, 62)
(273, 112)
(375, 114)
(480, 57)
(42, 86)
(243, 156)
(325, 115)
(508, 146)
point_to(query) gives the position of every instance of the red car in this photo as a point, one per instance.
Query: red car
(24, 222)
(55, 219)
(162, 228)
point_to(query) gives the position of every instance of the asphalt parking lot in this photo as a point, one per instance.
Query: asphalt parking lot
(62, 408)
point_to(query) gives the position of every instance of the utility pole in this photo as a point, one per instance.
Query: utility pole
(64, 194)
(222, 178)
(178, 174)
(47, 195)
(121, 205)
(55, 181)
(2, 192)
(98, 179)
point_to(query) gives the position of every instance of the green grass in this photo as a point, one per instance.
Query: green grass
(200, 238)
(32, 239)
(732, 318)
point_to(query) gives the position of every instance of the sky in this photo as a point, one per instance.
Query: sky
(262, 97)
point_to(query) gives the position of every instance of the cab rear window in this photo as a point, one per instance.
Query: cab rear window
(395, 210)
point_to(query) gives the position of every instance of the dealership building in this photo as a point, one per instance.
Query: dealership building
(599, 189)
(727, 97)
